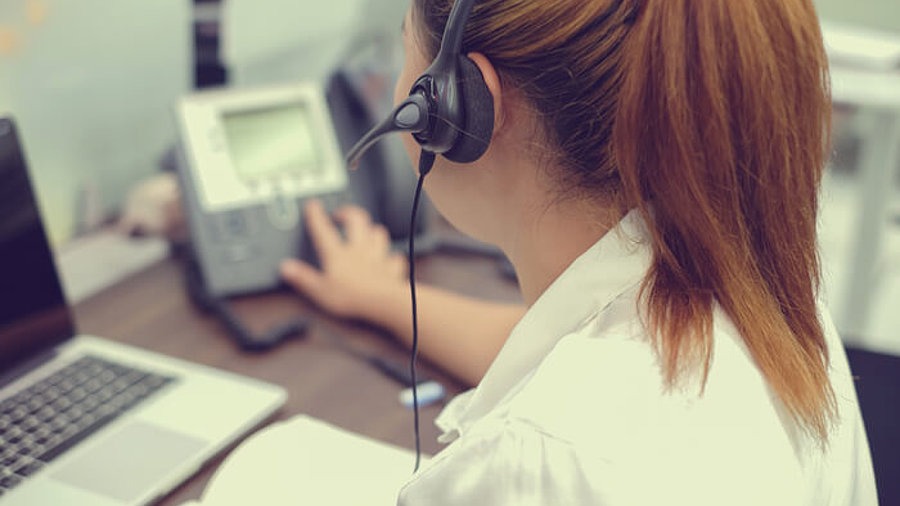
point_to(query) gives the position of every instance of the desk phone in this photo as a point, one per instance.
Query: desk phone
(249, 160)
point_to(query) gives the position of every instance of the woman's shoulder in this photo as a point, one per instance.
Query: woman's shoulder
(601, 388)
(603, 384)
(600, 391)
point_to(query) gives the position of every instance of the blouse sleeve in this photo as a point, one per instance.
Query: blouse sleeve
(509, 462)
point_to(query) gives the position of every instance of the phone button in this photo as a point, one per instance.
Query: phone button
(283, 212)
(235, 224)
(236, 253)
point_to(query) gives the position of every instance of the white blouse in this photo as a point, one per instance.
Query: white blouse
(573, 411)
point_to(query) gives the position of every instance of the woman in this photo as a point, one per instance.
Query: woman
(653, 177)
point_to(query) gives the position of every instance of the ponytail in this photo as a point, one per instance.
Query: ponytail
(720, 140)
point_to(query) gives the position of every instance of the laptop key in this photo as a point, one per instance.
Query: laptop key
(93, 385)
(105, 394)
(27, 450)
(108, 376)
(61, 404)
(75, 412)
(81, 377)
(46, 414)
(35, 403)
(31, 467)
(30, 424)
(10, 481)
(90, 403)
(19, 413)
(66, 385)
(77, 394)
(52, 393)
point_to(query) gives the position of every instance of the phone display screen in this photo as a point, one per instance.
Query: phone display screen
(271, 143)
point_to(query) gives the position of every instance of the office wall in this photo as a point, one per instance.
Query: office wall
(877, 14)
(91, 83)
(268, 41)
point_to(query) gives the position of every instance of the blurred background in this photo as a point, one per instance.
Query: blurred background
(93, 83)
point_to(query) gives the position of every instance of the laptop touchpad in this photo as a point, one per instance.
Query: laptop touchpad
(129, 462)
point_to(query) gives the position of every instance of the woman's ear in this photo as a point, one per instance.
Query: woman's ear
(492, 79)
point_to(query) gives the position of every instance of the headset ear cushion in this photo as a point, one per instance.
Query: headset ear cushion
(478, 102)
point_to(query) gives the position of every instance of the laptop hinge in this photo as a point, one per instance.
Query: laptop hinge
(27, 366)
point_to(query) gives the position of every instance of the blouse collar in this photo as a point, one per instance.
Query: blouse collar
(614, 264)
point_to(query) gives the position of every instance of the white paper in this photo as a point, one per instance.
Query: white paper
(307, 461)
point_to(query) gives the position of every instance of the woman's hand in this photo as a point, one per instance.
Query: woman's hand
(358, 270)
(362, 279)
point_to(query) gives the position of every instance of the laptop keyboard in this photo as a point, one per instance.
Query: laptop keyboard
(43, 421)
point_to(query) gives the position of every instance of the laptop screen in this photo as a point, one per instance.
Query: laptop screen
(34, 315)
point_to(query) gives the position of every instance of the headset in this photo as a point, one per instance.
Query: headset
(449, 112)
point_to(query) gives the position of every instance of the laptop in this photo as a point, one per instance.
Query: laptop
(84, 420)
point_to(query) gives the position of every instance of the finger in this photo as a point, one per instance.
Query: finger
(305, 278)
(357, 224)
(343, 210)
(381, 239)
(324, 234)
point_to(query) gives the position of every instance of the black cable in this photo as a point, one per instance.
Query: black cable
(395, 369)
(426, 161)
(218, 306)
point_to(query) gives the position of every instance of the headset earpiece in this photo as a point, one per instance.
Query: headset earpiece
(450, 110)
(474, 135)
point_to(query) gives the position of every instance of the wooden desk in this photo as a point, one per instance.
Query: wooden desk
(151, 310)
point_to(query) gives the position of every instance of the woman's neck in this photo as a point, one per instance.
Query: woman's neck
(551, 236)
